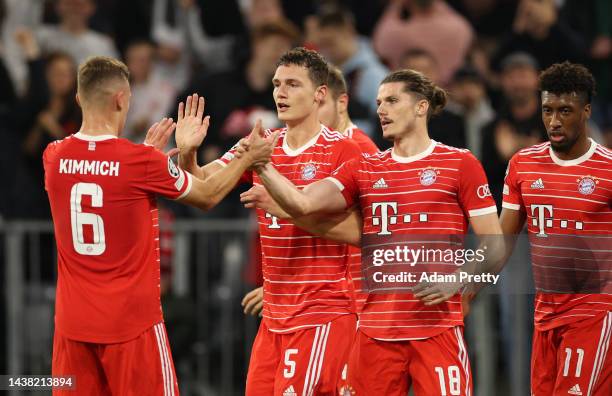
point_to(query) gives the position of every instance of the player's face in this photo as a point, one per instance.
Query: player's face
(396, 110)
(328, 111)
(295, 94)
(565, 117)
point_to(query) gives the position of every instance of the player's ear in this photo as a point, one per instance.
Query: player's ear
(119, 100)
(78, 100)
(320, 93)
(587, 110)
(343, 101)
(421, 107)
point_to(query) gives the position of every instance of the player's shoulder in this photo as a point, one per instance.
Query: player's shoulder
(378, 157)
(603, 153)
(460, 155)
(533, 151)
(57, 146)
(330, 135)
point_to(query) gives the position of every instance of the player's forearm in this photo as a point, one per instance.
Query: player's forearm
(220, 183)
(345, 228)
(188, 160)
(286, 194)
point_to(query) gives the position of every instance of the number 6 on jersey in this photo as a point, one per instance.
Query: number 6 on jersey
(78, 219)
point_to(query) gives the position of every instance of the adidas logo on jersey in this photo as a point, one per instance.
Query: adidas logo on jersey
(575, 390)
(537, 184)
(291, 392)
(380, 184)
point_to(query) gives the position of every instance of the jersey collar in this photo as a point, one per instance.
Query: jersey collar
(292, 153)
(416, 157)
(92, 138)
(576, 161)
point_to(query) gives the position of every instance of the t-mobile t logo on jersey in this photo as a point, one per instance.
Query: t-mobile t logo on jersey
(388, 215)
(543, 219)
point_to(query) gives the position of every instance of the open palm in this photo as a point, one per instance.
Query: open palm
(191, 126)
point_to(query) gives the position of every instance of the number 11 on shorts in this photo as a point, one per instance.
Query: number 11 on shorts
(454, 380)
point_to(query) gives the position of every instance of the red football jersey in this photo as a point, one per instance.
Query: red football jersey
(102, 195)
(433, 192)
(362, 139)
(305, 277)
(562, 198)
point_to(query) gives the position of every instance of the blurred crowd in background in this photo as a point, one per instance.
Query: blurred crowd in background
(486, 53)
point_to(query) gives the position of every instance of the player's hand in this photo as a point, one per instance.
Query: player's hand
(192, 126)
(242, 147)
(253, 302)
(258, 197)
(436, 293)
(259, 147)
(159, 134)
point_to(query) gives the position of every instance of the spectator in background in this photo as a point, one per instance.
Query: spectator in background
(73, 34)
(518, 123)
(337, 39)
(234, 99)
(432, 26)
(469, 100)
(14, 15)
(152, 95)
(48, 112)
(216, 54)
(445, 127)
(538, 31)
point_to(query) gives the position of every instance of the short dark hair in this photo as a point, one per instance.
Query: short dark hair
(281, 27)
(311, 60)
(416, 83)
(336, 83)
(335, 17)
(566, 77)
(97, 71)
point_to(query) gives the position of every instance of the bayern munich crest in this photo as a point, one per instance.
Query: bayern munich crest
(309, 171)
(586, 185)
(428, 176)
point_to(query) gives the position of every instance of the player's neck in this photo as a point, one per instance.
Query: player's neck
(300, 133)
(96, 126)
(413, 143)
(582, 145)
(344, 124)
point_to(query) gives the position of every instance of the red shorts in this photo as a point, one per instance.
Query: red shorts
(574, 359)
(305, 362)
(434, 366)
(142, 366)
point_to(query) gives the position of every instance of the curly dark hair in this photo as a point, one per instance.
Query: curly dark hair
(565, 78)
(417, 83)
(311, 60)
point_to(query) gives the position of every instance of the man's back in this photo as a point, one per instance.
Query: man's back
(102, 195)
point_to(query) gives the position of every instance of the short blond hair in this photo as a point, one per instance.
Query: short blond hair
(96, 73)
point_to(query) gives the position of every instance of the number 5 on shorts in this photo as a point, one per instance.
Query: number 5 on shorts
(289, 370)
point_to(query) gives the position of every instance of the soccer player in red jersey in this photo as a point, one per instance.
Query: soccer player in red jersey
(302, 341)
(560, 188)
(333, 112)
(109, 329)
(418, 187)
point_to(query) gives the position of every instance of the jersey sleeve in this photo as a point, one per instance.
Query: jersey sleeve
(344, 151)
(47, 158)
(474, 192)
(164, 178)
(345, 178)
(512, 191)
